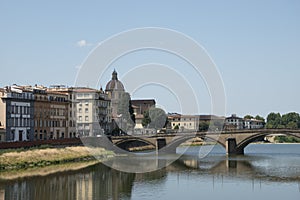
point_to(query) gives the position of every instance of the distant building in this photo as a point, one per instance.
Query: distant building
(184, 122)
(70, 92)
(42, 119)
(93, 112)
(140, 106)
(234, 122)
(58, 114)
(191, 122)
(16, 113)
(253, 124)
(114, 89)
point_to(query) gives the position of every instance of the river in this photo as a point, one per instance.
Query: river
(266, 171)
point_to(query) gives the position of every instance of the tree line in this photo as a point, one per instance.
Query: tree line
(289, 120)
(274, 120)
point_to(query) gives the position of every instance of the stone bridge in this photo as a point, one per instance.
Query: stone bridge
(233, 141)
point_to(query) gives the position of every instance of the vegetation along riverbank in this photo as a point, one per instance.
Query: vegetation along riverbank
(16, 159)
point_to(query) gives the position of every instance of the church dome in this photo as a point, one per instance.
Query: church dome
(114, 83)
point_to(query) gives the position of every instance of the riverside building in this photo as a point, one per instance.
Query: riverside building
(17, 112)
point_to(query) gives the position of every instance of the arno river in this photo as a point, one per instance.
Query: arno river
(266, 171)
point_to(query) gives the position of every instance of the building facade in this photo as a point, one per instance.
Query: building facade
(253, 124)
(234, 122)
(42, 118)
(93, 112)
(17, 113)
(70, 93)
(114, 90)
(184, 122)
(58, 114)
(140, 106)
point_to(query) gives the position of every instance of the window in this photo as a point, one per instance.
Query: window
(80, 110)
(86, 110)
(80, 118)
(86, 118)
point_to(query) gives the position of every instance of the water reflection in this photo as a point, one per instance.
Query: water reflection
(211, 177)
(96, 181)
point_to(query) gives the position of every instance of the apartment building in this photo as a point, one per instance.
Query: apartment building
(16, 113)
(70, 93)
(58, 114)
(93, 112)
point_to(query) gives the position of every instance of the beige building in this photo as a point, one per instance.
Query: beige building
(58, 114)
(114, 89)
(191, 122)
(93, 113)
(70, 92)
(184, 122)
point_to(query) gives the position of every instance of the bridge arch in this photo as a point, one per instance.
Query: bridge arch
(260, 137)
(133, 142)
(178, 141)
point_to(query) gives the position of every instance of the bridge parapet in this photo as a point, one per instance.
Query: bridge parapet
(233, 141)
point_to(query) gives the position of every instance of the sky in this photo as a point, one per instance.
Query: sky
(254, 44)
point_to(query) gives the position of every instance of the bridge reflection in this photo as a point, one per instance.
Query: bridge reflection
(245, 167)
(102, 182)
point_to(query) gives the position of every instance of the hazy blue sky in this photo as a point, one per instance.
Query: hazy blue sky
(255, 44)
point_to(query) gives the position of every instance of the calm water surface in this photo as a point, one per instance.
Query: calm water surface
(266, 171)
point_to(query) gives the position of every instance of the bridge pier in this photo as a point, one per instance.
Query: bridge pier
(231, 147)
(160, 143)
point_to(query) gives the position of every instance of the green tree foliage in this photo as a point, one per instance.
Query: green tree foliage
(216, 125)
(257, 117)
(131, 112)
(290, 120)
(146, 120)
(273, 120)
(154, 118)
(287, 139)
(248, 117)
(176, 127)
(203, 126)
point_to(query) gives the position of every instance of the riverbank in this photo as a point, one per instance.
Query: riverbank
(50, 156)
(46, 170)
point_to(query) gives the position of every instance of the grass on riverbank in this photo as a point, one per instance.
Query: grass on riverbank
(49, 156)
(45, 171)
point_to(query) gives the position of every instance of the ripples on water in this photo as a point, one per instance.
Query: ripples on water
(266, 171)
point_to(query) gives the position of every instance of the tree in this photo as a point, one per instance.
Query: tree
(176, 127)
(131, 112)
(248, 117)
(203, 126)
(146, 120)
(289, 118)
(257, 117)
(292, 125)
(216, 124)
(274, 120)
(154, 118)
